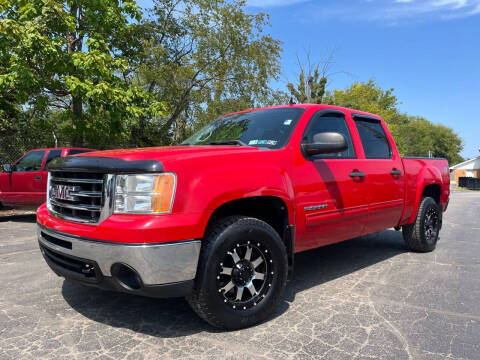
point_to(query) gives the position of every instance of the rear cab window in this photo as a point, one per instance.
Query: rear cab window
(374, 140)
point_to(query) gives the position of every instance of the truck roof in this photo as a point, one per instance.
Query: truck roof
(61, 148)
(309, 106)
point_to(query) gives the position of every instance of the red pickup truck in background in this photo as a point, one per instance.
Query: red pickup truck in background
(24, 183)
(219, 218)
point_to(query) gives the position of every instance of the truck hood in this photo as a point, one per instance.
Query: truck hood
(171, 153)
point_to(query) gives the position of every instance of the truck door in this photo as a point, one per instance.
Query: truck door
(331, 203)
(27, 184)
(384, 175)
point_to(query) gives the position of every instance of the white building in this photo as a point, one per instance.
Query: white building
(469, 168)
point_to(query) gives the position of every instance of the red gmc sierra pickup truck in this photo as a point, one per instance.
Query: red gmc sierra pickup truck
(23, 184)
(219, 218)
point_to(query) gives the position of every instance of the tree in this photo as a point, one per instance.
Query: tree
(421, 138)
(367, 97)
(312, 80)
(371, 98)
(70, 57)
(204, 58)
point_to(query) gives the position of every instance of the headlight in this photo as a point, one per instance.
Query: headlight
(145, 193)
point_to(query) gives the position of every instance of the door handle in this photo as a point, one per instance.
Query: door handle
(357, 174)
(395, 172)
(38, 177)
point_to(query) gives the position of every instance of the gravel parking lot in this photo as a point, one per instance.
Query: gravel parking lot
(364, 298)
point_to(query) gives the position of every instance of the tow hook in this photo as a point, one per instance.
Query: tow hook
(88, 269)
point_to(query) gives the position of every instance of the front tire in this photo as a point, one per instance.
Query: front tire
(241, 274)
(422, 235)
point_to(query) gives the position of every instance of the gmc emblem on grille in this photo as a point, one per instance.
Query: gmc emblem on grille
(62, 192)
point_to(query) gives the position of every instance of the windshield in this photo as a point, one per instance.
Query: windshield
(269, 128)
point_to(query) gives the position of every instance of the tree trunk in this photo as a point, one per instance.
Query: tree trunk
(74, 44)
(173, 118)
(77, 109)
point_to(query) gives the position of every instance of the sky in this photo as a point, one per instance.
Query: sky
(427, 50)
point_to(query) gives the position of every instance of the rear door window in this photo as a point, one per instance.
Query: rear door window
(374, 140)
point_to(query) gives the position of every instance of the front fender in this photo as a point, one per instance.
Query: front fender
(213, 187)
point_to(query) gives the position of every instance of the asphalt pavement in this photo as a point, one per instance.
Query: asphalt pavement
(366, 298)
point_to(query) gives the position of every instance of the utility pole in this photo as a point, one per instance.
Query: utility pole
(56, 141)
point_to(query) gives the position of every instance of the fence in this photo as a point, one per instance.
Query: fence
(469, 183)
(10, 150)
(14, 142)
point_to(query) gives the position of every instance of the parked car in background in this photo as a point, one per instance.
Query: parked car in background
(23, 184)
(218, 220)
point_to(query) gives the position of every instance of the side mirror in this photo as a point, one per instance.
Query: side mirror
(325, 143)
(7, 168)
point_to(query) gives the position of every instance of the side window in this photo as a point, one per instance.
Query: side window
(374, 140)
(77, 151)
(30, 162)
(53, 154)
(330, 123)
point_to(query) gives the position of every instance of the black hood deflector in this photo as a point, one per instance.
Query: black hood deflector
(102, 164)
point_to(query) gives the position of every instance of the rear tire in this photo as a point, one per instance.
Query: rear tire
(241, 274)
(422, 235)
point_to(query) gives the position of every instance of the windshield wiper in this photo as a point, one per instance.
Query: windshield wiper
(228, 142)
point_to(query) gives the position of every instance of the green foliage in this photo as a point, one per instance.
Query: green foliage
(68, 57)
(415, 136)
(310, 90)
(420, 136)
(99, 73)
(22, 133)
(205, 58)
(367, 97)
(312, 79)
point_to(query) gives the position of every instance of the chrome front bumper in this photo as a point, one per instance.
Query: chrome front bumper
(156, 264)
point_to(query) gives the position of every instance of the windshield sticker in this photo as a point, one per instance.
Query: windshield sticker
(287, 122)
(263, 142)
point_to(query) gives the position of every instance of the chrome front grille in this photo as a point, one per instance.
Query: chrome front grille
(77, 196)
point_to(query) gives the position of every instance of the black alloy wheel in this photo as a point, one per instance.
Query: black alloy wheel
(422, 234)
(241, 275)
(431, 223)
(245, 275)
